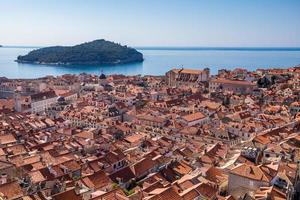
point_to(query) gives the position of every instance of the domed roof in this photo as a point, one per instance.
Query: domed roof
(60, 99)
(102, 76)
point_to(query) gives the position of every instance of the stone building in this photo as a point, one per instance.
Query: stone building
(191, 77)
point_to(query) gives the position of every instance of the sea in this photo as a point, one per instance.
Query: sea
(158, 60)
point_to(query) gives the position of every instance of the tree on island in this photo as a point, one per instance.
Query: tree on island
(90, 53)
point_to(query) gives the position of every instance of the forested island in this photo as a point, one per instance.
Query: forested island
(89, 53)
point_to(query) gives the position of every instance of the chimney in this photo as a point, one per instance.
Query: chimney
(101, 165)
(42, 160)
(119, 180)
(45, 138)
(78, 187)
(52, 171)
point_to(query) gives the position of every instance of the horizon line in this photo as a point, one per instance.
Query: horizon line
(266, 48)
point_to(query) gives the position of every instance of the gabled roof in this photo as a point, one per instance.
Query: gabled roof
(98, 180)
(43, 95)
(272, 193)
(193, 117)
(251, 172)
(36, 177)
(233, 82)
(125, 174)
(143, 166)
(114, 156)
(202, 190)
(68, 194)
(11, 190)
(164, 193)
(187, 71)
(216, 175)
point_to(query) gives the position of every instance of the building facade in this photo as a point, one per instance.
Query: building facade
(235, 86)
(42, 101)
(191, 77)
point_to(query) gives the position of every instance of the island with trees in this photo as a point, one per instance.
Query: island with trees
(89, 53)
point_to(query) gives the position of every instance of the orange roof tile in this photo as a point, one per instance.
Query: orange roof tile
(250, 172)
(233, 82)
(193, 117)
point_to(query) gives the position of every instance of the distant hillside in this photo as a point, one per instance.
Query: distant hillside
(95, 52)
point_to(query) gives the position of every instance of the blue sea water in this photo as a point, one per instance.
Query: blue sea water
(158, 61)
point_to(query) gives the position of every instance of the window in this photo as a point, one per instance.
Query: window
(251, 183)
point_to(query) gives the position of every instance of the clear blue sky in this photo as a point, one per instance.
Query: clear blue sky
(241, 23)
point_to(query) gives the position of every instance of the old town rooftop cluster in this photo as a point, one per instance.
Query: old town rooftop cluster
(187, 135)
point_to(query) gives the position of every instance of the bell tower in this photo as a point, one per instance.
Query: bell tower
(18, 101)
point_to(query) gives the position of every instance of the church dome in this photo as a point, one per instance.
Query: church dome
(61, 99)
(102, 76)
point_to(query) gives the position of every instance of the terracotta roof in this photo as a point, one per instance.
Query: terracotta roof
(98, 179)
(126, 174)
(201, 190)
(5, 164)
(67, 94)
(216, 175)
(272, 193)
(36, 177)
(43, 95)
(72, 165)
(233, 82)
(114, 156)
(6, 139)
(181, 167)
(164, 193)
(193, 117)
(190, 195)
(116, 194)
(11, 190)
(86, 134)
(225, 198)
(68, 194)
(153, 186)
(7, 103)
(151, 118)
(143, 166)
(188, 71)
(263, 139)
(250, 172)
(207, 190)
(134, 138)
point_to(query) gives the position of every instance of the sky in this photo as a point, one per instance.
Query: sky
(188, 23)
